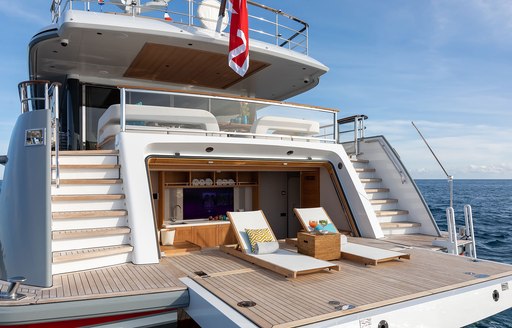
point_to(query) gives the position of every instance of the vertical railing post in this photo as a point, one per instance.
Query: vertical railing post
(277, 29)
(56, 131)
(470, 231)
(356, 143)
(452, 231)
(190, 12)
(46, 98)
(122, 118)
(307, 40)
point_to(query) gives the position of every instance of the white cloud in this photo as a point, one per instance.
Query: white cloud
(465, 151)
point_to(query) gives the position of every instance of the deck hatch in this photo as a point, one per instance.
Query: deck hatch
(246, 304)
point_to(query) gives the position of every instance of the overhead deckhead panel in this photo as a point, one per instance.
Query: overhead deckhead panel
(158, 62)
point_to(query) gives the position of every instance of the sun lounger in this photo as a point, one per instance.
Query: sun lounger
(349, 251)
(282, 261)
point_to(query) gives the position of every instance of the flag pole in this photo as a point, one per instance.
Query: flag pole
(222, 13)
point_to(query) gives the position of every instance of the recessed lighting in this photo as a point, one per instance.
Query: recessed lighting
(209, 149)
(289, 152)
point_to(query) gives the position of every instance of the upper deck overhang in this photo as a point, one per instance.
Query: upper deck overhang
(112, 49)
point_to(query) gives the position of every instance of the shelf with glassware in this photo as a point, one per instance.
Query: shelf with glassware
(210, 179)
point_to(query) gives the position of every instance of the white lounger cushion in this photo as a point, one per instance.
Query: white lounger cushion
(108, 124)
(285, 125)
(369, 252)
(292, 261)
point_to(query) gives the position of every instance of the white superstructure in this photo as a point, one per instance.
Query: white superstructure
(132, 125)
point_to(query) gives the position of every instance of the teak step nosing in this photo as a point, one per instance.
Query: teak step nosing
(88, 214)
(376, 190)
(399, 225)
(370, 180)
(89, 253)
(87, 197)
(356, 160)
(88, 181)
(391, 212)
(89, 233)
(87, 166)
(87, 153)
(383, 201)
(365, 169)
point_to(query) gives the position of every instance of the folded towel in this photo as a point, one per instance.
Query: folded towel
(266, 247)
(343, 239)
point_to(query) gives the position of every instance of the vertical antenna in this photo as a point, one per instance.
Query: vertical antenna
(449, 177)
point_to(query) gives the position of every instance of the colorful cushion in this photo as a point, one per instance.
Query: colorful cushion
(259, 236)
(329, 227)
(266, 247)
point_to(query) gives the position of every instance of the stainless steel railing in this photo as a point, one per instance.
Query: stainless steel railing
(265, 23)
(358, 130)
(235, 116)
(41, 95)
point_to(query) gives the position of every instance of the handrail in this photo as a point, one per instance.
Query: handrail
(452, 231)
(258, 104)
(185, 12)
(469, 229)
(54, 107)
(51, 102)
(358, 129)
(24, 93)
(225, 97)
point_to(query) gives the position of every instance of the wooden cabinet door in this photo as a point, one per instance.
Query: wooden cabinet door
(184, 234)
(226, 235)
(206, 236)
(310, 189)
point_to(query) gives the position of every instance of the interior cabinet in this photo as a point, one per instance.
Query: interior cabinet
(218, 178)
(210, 235)
(205, 236)
(183, 234)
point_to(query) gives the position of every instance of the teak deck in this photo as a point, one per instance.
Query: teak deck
(281, 302)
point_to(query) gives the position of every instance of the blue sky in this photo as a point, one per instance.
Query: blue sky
(446, 65)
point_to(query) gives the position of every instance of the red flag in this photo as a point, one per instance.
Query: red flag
(238, 58)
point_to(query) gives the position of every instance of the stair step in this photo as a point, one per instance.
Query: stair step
(88, 253)
(383, 201)
(399, 225)
(391, 212)
(88, 233)
(89, 181)
(87, 166)
(376, 190)
(371, 180)
(88, 214)
(357, 160)
(86, 152)
(90, 197)
(364, 169)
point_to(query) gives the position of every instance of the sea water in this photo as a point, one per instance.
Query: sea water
(491, 202)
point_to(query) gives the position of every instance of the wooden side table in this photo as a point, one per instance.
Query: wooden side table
(323, 247)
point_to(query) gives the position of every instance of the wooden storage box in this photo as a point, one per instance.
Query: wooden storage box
(323, 247)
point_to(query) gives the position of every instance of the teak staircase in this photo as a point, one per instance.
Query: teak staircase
(89, 217)
(393, 221)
